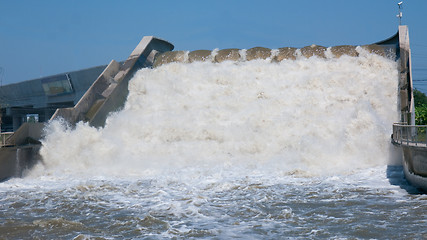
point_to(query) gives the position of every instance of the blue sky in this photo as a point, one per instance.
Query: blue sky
(46, 37)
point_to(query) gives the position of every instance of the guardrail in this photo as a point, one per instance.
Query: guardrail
(411, 135)
(4, 136)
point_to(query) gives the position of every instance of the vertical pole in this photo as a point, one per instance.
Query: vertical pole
(399, 15)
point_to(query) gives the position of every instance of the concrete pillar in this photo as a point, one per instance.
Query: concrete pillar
(17, 120)
(405, 79)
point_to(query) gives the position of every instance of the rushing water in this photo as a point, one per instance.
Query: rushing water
(250, 150)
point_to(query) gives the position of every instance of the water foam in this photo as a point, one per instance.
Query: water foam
(313, 116)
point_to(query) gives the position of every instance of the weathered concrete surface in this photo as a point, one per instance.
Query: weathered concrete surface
(415, 165)
(116, 93)
(313, 50)
(200, 56)
(28, 133)
(415, 158)
(349, 50)
(92, 95)
(415, 180)
(168, 57)
(8, 163)
(15, 161)
(258, 53)
(377, 49)
(285, 53)
(276, 55)
(405, 81)
(231, 54)
(21, 152)
(109, 92)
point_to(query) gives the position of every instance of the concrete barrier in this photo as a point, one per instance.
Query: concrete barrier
(15, 161)
(200, 56)
(28, 133)
(116, 93)
(349, 50)
(258, 53)
(313, 50)
(231, 54)
(277, 55)
(22, 151)
(109, 91)
(285, 53)
(93, 94)
(415, 165)
(168, 57)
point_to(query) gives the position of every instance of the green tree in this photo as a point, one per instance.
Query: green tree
(420, 102)
(419, 98)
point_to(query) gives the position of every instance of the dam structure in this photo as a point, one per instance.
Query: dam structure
(85, 95)
(408, 137)
(109, 90)
(221, 144)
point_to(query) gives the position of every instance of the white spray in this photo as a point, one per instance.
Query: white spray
(313, 116)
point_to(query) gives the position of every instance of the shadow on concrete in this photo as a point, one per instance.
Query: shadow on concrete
(396, 177)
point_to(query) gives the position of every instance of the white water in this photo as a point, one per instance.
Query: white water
(250, 150)
(314, 116)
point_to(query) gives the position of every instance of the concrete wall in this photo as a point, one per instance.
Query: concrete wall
(109, 92)
(415, 165)
(15, 161)
(79, 111)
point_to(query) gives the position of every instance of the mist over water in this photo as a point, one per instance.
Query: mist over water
(254, 150)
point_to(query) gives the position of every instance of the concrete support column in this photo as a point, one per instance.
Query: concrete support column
(405, 79)
(17, 121)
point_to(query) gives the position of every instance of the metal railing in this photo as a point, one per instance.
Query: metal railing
(4, 136)
(411, 135)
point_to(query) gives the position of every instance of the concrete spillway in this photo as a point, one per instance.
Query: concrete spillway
(107, 94)
(109, 91)
(274, 55)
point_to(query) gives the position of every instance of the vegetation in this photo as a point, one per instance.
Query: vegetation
(420, 102)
